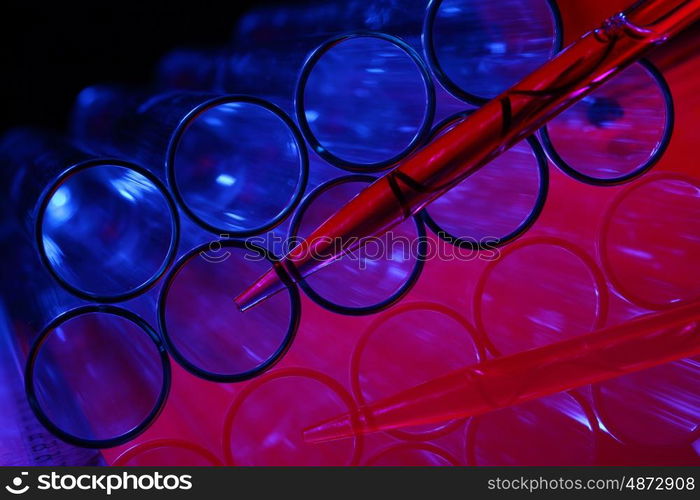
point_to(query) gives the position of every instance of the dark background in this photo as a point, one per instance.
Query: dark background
(50, 52)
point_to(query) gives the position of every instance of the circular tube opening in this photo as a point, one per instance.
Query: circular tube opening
(255, 435)
(364, 100)
(204, 330)
(551, 289)
(445, 340)
(478, 49)
(97, 376)
(107, 230)
(375, 276)
(237, 165)
(616, 133)
(648, 243)
(497, 203)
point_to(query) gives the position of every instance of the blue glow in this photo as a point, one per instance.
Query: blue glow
(59, 208)
(225, 180)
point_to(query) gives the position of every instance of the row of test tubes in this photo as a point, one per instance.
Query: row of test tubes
(170, 200)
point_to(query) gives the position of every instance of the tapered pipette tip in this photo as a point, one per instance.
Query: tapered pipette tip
(263, 288)
(336, 428)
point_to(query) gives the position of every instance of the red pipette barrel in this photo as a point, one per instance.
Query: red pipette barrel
(644, 342)
(450, 158)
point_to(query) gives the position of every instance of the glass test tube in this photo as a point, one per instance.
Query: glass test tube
(24, 441)
(445, 341)
(253, 433)
(478, 49)
(105, 228)
(372, 279)
(618, 132)
(497, 203)
(95, 375)
(204, 332)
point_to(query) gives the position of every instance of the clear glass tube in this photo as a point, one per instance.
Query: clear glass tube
(648, 243)
(254, 435)
(271, 24)
(190, 69)
(364, 100)
(106, 229)
(496, 204)
(236, 164)
(567, 295)
(24, 441)
(478, 49)
(371, 280)
(618, 132)
(445, 341)
(95, 375)
(205, 332)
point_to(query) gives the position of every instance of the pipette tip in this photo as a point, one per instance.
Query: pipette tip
(340, 427)
(263, 288)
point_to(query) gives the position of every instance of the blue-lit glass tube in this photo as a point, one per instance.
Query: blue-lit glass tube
(95, 375)
(236, 164)
(618, 132)
(496, 204)
(375, 277)
(24, 441)
(106, 229)
(478, 49)
(204, 331)
(270, 43)
(364, 100)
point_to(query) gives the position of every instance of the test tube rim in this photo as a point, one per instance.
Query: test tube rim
(75, 169)
(525, 224)
(30, 389)
(602, 293)
(602, 247)
(640, 170)
(274, 358)
(356, 360)
(287, 372)
(439, 72)
(181, 129)
(329, 305)
(299, 102)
